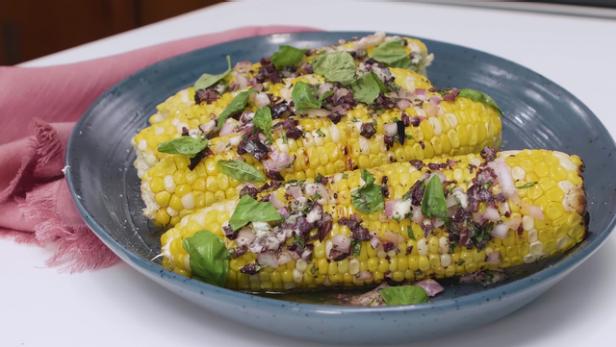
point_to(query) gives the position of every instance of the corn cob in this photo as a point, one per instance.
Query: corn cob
(502, 210)
(421, 124)
(325, 148)
(183, 111)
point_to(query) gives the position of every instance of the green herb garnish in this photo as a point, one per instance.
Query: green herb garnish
(320, 133)
(367, 88)
(527, 185)
(263, 121)
(478, 96)
(305, 97)
(356, 247)
(240, 170)
(392, 53)
(410, 233)
(207, 80)
(250, 210)
(403, 295)
(369, 197)
(433, 204)
(238, 104)
(287, 56)
(209, 259)
(185, 145)
(335, 67)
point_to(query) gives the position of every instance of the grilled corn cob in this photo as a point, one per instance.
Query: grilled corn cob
(185, 110)
(411, 121)
(171, 189)
(490, 212)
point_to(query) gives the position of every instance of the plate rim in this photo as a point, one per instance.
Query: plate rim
(561, 267)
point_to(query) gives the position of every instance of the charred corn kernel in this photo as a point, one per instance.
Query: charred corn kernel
(561, 228)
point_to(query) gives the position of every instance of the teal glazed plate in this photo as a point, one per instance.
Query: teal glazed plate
(538, 114)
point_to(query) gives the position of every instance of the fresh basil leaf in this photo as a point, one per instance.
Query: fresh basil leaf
(240, 170)
(367, 177)
(238, 104)
(356, 247)
(392, 53)
(185, 145)
(403, 295)
(433, 204)
(207, 80)
(478, 96)
(250, 210)
(209, 259)
(369, 197)
(367, 88)
(287, 56)
(305, 97)
(527, 185)
(410, 233)
(335, 67)
(263, 121)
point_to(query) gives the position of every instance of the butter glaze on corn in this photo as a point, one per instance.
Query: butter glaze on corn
(549, 214)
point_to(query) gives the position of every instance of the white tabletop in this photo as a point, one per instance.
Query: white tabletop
(119, 307)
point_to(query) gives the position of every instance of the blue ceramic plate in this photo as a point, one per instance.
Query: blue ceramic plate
(538, 114)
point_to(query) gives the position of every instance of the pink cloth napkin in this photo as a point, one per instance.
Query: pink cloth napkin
(38, 108)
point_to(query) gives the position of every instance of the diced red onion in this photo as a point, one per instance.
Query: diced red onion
(295, 191)
(535, 211)
(283, 212)
(491, 214)
(317, 112)
(494, 258)
(235, 140)
(374, 242)
(431, 287)
(370, 40)
(245, 237)
(503, 175)
(229, 127)
(514, 223)
(417, 215)
(243, 66)
(391, 129)
(389, 207)
(478, 218)
(420, 92)
(246, 117)
(500, 231)
(340, 93)
(277, 161)
(451, 201)
(438, 223)
(261, 99)
(435, 100)
(241, 80)
(323, 191)
(208, 127)
(306, 254)
(342, 243)
(403, 104)
(285, 257)
(275, 201)
(315, 214)
(431, 110)
(268, 259)
(394, 238)
(324, 88)
(364, 144)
